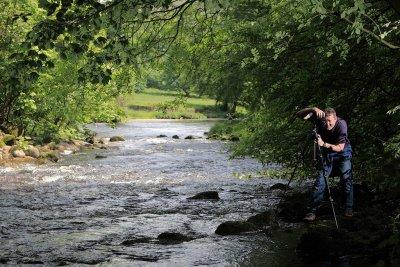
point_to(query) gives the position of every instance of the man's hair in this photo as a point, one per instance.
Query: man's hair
(330, 111)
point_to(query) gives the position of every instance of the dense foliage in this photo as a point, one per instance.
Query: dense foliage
(63, 63)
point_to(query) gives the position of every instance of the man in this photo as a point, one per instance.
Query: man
(337, 153)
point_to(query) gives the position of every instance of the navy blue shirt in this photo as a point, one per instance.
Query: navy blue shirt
(337, 135)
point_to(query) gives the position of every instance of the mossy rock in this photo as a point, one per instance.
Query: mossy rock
(116, 139)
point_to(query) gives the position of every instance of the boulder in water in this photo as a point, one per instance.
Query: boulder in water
(175, 136)
(235, 228)
(206, 195)
(170, 238)
(161, 136)
(116, 138)
(100, 157)
(189, 137)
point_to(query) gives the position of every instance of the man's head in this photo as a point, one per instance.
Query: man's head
(330, 118)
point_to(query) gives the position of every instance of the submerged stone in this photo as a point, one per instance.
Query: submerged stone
(206, 195)
(235, 228)
(170, 238)
(117, 138)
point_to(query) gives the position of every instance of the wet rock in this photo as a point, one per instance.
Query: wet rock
(266, 218)
(100, 157)
(32, 152)
(206, 195)
(170, 238)
(175, 137)
(133, 241)
(280, 186)
(161, 136)
(117, 138)
(18, 153)
(189, 137)
(235, 228)
(3, 260)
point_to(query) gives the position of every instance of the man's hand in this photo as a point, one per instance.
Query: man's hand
(320, 141)
(320, 114)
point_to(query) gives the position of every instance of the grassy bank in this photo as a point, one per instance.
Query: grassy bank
(157, 104)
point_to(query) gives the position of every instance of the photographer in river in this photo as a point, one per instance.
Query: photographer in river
(336, 155)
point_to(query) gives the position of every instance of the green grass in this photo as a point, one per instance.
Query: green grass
(143, 105)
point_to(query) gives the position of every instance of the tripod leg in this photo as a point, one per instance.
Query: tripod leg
(331, 201)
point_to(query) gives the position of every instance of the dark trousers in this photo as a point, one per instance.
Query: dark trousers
(341, 164)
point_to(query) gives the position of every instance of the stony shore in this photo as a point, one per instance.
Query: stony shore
(13, 152)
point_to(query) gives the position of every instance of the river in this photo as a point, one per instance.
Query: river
(109, 210)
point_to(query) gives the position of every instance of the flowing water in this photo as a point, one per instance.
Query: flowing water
(110, 210)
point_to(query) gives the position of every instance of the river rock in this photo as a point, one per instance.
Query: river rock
(189, 137)
(235, 228)
(116, 138)
(280, 186)
(104, 141)
(100, 157)
(213, 195)
(18, 153)
(175, 137)
(266, 218)
(32, 152)
(161, 136)
(136, 240)
(170, 238)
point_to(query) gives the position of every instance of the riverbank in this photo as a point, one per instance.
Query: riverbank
(14, 152)
(370, 238)
(152, 103)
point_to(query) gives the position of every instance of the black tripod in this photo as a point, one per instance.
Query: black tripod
(318, 150)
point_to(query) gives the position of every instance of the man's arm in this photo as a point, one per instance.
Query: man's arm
(305, 111)
(335, 148)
